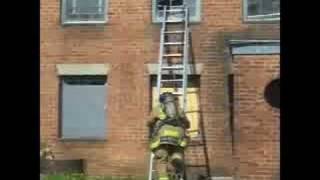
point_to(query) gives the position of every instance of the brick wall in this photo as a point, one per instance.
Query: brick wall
(257, 124)
(129, 41)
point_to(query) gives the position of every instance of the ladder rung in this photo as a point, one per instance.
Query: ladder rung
(173, 43)
(175, 21)
(176, 10)
(171, 80)
(173, 32)
(177, 93)
(173, 67)
(173, 55)
(173, 10)
(178, 6)
(191, 165)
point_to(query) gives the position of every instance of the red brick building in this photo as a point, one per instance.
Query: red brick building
(98, 62)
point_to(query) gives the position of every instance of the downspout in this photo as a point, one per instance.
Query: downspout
(228, 104)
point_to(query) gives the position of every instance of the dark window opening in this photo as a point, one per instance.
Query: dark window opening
(161, 3)
(272, 93)
(85, 80)
(193, 6)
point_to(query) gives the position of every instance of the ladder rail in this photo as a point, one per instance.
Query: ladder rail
(162, 34)
(163, 29)
(185, 60)
(151, 166)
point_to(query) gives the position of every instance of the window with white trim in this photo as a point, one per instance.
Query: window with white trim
(193, 5)
(84, 11)
(261, 10)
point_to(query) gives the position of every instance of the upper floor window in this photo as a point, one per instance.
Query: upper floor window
(261, 10)
(84, 11)
(193, 5)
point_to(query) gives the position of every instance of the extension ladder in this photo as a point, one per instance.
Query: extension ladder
(169, 72)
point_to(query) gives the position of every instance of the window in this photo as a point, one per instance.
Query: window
(261, 10)
(193, 107)
(83, 107)
(255, 47)
(193, 5)
(84, 11)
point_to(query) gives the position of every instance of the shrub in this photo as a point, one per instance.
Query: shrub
(46, 152)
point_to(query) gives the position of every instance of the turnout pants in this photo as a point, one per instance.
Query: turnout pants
(169, 161)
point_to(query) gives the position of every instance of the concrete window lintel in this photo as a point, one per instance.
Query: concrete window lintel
(82, 69)
(192, 69)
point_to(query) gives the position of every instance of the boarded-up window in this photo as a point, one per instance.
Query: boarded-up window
(193, 103)
(83, 107)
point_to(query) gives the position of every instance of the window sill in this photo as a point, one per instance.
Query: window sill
(261, 21)
(84, 23)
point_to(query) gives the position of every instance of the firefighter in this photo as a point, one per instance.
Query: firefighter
(169, 138)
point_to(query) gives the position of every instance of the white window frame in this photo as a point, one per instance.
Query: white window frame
(258, 18)
(65, 21)
(193, 19)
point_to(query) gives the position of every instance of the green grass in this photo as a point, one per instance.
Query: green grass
(74, 176)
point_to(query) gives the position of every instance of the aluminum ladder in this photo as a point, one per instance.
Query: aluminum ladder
(170, 18)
